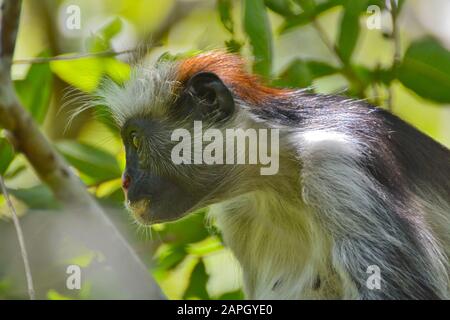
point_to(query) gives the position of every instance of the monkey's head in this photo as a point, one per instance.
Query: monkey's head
(159, 111)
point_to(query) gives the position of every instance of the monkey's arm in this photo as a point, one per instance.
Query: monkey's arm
(368, 226)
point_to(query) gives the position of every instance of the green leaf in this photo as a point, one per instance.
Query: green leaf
(172, 257)
(6, 155)
(55, 295)
(190, 229)
(169, 57)
(225, 11)
(297, 75)
(197, 283)
(301, 73)
(320, 69)
(233, 45)
(380, 3)
(307, 5)
(34, 91)
(297, 21)
(349, 28)
(233, 295)
(206, 246)
(383, 75)
(101, 40)
(308, 15)
(38, 197)
(426, 70)
(93, 162)
(365, 75)
(285, 8)
(257, 27)
(84, 73)
(112, 29)
(117, 70)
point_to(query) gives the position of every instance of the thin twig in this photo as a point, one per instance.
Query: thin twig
(108, 53)
(348, 71)
(397, 49)
(23, 249)
(323, 36)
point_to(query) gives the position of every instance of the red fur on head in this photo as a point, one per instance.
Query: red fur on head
(230, 68)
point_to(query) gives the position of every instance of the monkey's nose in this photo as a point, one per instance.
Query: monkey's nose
(126, 180)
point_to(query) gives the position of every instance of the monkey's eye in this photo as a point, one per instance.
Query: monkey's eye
(135, 140)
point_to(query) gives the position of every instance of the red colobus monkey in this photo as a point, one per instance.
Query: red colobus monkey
(356, 188)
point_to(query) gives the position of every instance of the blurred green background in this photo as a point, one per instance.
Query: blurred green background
(349, 47)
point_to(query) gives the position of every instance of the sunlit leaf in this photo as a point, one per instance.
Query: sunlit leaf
(84, 73)
(257, 27)
(204, 247)
(110, 192)
(83, 260)
(54, 295)
(426, 70)
(117, 70)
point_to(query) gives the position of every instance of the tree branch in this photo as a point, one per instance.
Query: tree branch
(55, 172)
(9, 28)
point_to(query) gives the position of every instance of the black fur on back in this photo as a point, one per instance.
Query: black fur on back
(398, 155)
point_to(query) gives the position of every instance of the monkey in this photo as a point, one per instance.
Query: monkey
(356, 188)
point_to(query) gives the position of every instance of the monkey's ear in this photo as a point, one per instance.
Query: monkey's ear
(211, 97)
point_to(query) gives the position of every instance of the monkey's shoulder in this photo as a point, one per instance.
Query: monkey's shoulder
(391, 150)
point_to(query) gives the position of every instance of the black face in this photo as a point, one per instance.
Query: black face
(157, 189)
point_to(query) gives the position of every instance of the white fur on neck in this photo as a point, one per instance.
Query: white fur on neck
(283, 250)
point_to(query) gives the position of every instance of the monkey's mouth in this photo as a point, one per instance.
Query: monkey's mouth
(144, 215)
(152, 199)
(141, 211)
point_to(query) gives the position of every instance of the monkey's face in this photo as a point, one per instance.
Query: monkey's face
(153, 192)
(158, 185)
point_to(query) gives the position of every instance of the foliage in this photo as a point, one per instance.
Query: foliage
(185, 247)
(426, 70)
